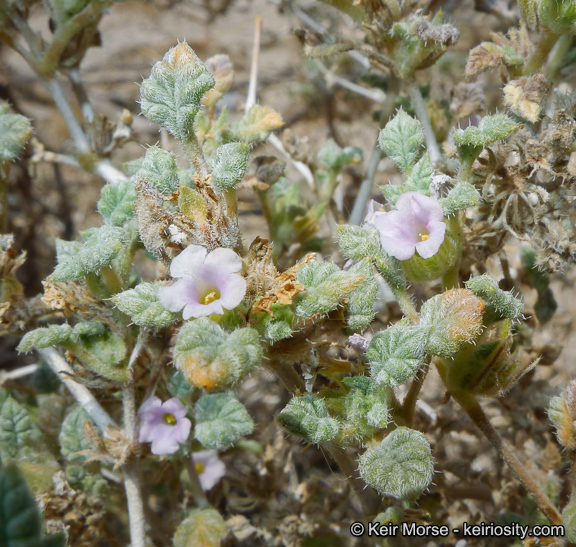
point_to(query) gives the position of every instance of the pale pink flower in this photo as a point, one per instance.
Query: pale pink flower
(209, 282)
(163, 424)
(415, 225)
(210, 468)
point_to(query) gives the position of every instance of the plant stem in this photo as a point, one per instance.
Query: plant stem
(135, 505)
(195, 487)
(130, 469)
(366, 187)
(292, 381)
(82, 395)
(196, 156)
(76, 132)
(422, 115)
(472, 407)
(557, 56)
(80, 91)
(368, 497)
(409, 403)
(541, 52)
(406, 306)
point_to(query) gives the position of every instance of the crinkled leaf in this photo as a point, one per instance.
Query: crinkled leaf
(402, 139)
(143, 306)
(15, 130)
(308, 418)
(116, 202)
(45, 337)
(401, 466)
(221, 420)
(18, 434)
(71, 437)
(201, 528)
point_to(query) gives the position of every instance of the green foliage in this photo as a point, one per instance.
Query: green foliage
(280, 326)
(102, 245)
(213, 358)
(397, 353)
(366, 409)
(143, 306)
(334, 158)
(308, 418)
(402, 139)
(160, 168)
(20, 522)
(53, 335)
(401, 466)
(18, 434)
(15, 130)
(71, 437)
(221, 420)
(171, 95)
(499, 304)
(420, 176)
(360, 307)
(558, 15)
(89, 328)
(230, 165)
(117, 201)
(358, 242)
(569, 521)
(462, 195)
(326, 286)
(472, 140)
(201, 528)
(45, 380)
(178, 386)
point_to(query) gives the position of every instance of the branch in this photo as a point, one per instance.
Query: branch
(422, 115)
(365, 190)
(80, 392)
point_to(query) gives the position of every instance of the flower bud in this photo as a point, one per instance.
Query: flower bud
(401, 466)
(213, 359)
(454, 318)
(221, 68)
(488, 369)
(230, 165)
(562, 414)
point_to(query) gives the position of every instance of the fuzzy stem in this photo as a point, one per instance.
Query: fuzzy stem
(422, 115)
(82, 395)
(135, 505)
(130, 471)
(541, 52)
(409, 403)
(472, 407)
(195, 487)
(292, 381)
(196, 156)
(406, 305)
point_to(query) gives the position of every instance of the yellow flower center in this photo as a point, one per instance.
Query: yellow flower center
(200, 467)
(210, 297)
(170, 419)
(423, 236)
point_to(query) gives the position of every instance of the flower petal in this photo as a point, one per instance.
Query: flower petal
(175, 407)
(178, 295)
(232, 291)
(226, 260)
(187, 261)
(195, 309)
(428, 248)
